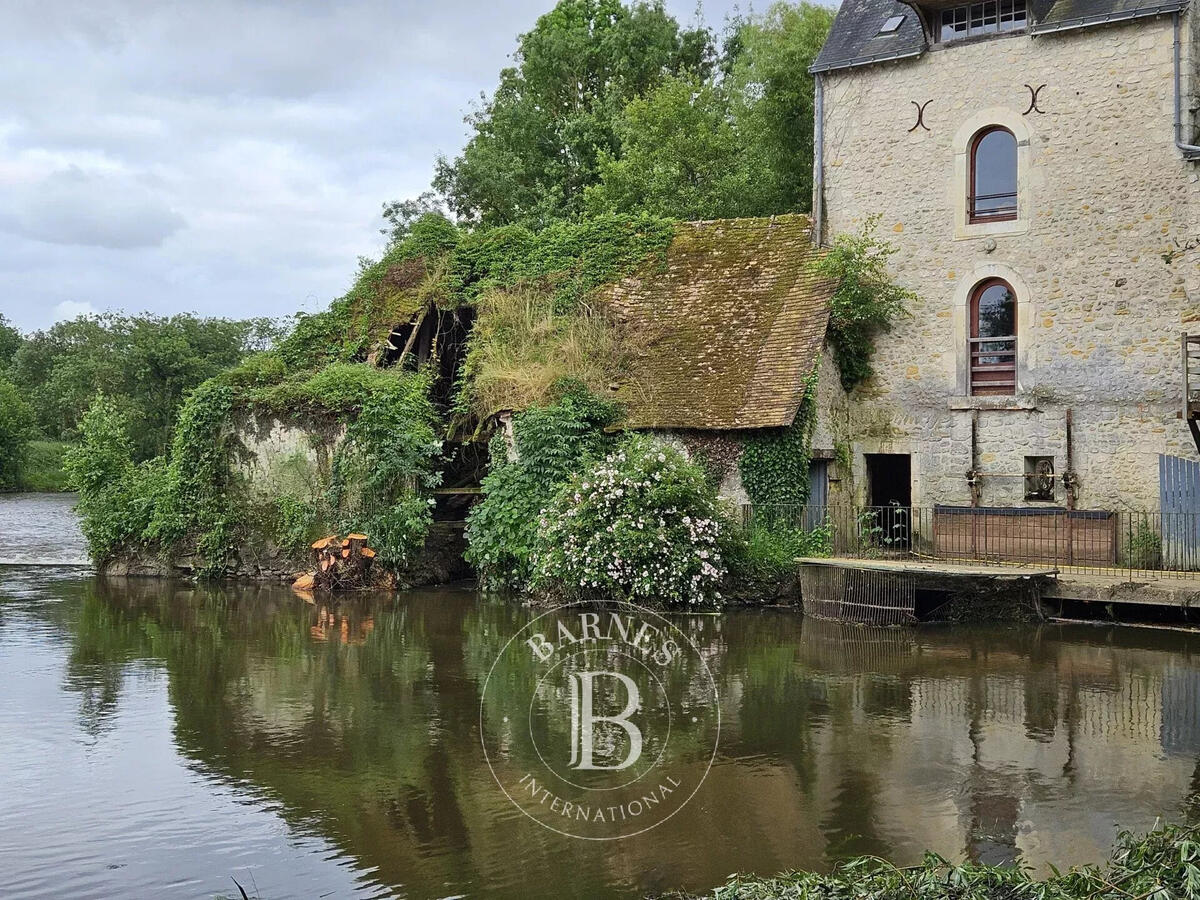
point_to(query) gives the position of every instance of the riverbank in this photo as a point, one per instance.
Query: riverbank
(1162, 864)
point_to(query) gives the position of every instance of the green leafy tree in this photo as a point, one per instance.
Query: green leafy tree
(773, 95)
(16, 430)
(536, 142)
(144, 364)
(10, 342)
(737, 143)
(682, 155)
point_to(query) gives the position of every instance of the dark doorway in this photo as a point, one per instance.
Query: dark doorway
(889, 479)
(889, 494)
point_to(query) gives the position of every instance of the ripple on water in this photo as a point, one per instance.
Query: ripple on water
(41, 530)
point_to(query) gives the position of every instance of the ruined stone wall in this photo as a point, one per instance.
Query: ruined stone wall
(276, 456)
(1104, 193)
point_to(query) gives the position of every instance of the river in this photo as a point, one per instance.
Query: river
(163, 740)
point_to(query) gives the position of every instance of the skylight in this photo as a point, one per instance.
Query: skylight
(892, 25)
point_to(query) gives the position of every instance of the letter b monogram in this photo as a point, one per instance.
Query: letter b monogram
(583, 720)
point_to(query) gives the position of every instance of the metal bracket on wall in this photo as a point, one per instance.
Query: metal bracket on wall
(1034, 93)
(920, 115)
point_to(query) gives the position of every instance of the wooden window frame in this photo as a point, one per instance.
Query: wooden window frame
(998, 386)
(1005, 13)
(1006, 215)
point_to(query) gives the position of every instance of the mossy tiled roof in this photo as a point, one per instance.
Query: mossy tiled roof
(727, 329)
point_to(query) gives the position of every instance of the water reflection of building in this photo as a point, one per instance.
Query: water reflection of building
(1013, 735)
(836, 739)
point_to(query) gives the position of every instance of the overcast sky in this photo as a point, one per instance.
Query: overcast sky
(226, 157)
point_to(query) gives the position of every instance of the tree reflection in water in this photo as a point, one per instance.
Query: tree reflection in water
(359, 721)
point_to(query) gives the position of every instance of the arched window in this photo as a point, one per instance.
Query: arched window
(993, 338)
(993, 189)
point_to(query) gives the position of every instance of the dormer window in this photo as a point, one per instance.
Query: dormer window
(978, 19)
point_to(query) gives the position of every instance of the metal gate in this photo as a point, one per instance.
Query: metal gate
(1179, 497)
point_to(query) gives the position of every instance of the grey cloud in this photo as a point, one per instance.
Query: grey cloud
(89, 209)
(230, 156)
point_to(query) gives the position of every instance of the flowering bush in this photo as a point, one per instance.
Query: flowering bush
(642, 525)
(551, 442)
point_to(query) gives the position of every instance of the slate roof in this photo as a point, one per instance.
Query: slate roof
(1081, 13)
(728, 328)
(855, 40)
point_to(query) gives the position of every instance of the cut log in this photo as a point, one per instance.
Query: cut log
(342, 564)
(304, 582)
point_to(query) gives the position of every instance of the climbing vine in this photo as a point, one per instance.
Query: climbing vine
(865, 302)
(774, 464)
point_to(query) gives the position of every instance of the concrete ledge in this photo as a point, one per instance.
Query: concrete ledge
(1174, 592)
(921, 567)
(995, 404)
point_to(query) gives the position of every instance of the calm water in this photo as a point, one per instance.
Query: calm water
(162, 740)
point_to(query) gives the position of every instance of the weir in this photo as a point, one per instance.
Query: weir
(904, 592)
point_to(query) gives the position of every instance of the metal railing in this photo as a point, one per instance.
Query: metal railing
(994, 364)
(1134, 544)
(985, 207)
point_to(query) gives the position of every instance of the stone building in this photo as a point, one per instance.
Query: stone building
(1032, 162)
(726, 339)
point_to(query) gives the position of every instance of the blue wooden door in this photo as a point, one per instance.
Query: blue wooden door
(818, 493)
(1179, 495)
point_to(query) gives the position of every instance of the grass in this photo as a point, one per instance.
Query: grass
(763, 551)
(42, 469)
(1161, 865)
(521, 346)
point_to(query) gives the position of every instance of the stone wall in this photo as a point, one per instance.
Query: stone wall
(276, 456)
(1104, 193)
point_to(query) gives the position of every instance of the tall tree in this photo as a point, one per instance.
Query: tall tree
(773, 95)
(536, 143)
(144, 364)
(682, 155)
(10, 342)
(734, 139)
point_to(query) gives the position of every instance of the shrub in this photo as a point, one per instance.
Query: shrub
(642, 525)
(767, 551)
(1145, 548)
(551, 443)
(865, 303)
(1161, 865)
(117, 500)
(16, 430)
